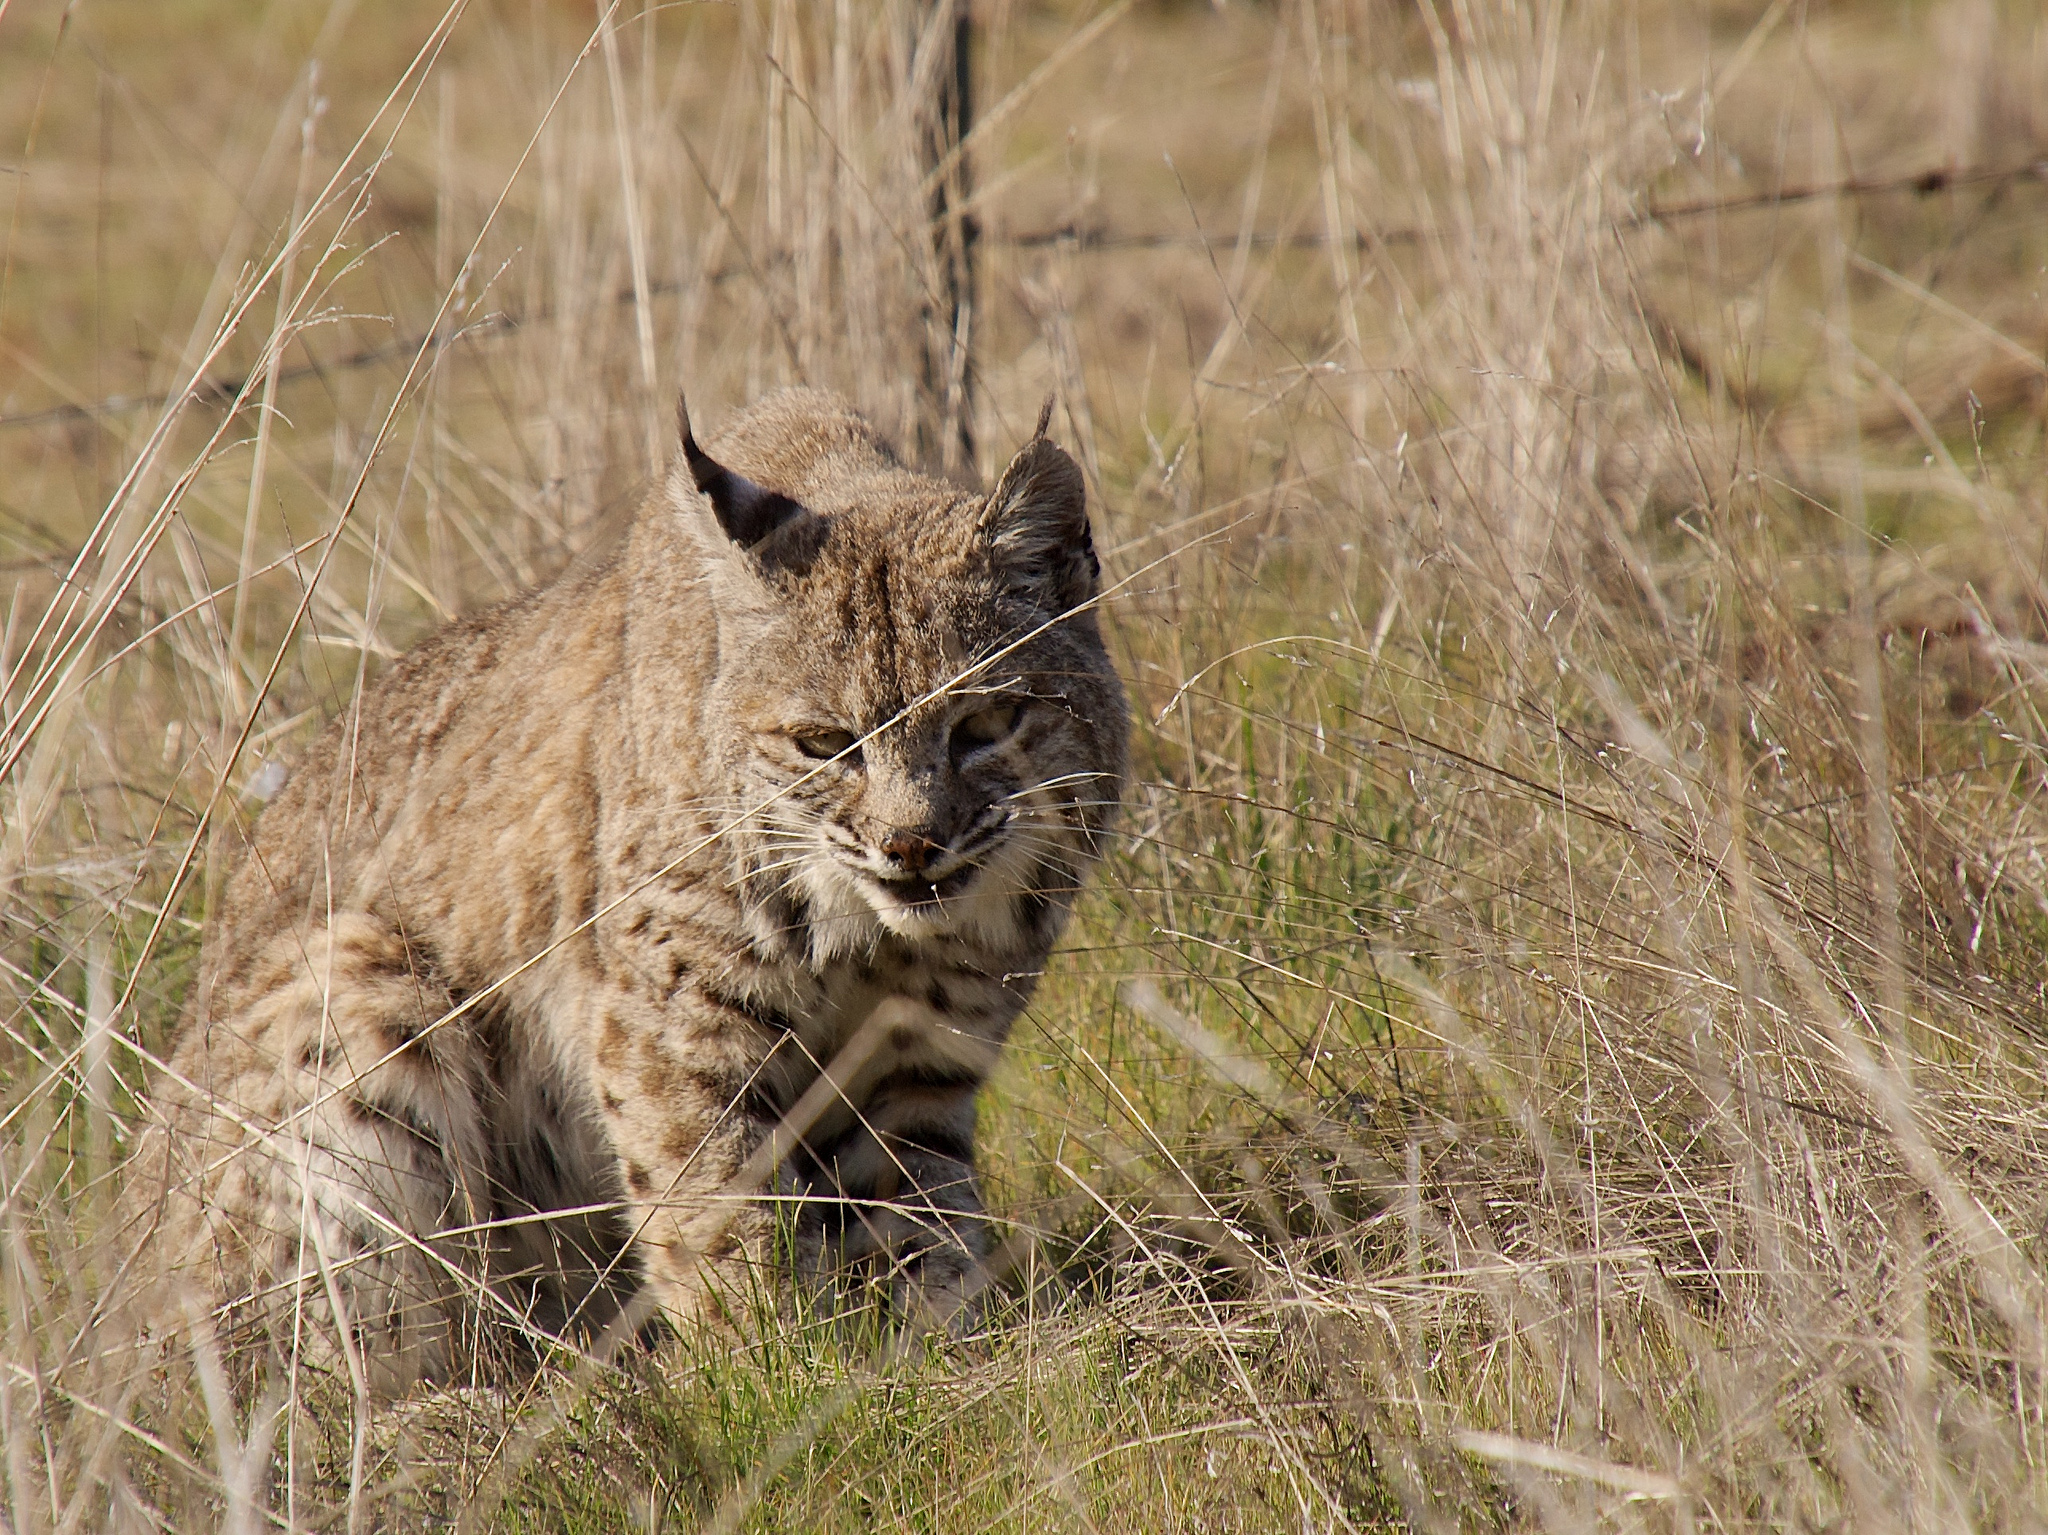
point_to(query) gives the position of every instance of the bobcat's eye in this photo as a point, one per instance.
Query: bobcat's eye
(823, 744)
(984, 727)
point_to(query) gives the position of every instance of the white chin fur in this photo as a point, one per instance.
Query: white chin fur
(851, 913)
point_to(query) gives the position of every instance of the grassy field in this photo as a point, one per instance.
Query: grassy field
(1564, 1042)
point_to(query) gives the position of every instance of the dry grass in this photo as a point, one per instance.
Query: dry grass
(1565, 1044)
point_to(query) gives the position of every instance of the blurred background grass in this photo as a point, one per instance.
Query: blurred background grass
(1562, 1043)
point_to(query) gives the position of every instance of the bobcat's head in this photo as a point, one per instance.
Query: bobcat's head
(922, 734)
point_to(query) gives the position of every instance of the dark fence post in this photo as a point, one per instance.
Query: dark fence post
(949, 331)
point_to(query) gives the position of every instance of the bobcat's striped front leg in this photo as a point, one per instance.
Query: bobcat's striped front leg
(906, 1193)
(686, 1094)
(892, 1177)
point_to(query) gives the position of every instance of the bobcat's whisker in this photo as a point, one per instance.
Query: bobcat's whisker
(1059, 781)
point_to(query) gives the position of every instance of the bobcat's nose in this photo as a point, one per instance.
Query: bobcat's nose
(908, 851)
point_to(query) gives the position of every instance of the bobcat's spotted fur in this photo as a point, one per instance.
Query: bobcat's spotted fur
(521, 997)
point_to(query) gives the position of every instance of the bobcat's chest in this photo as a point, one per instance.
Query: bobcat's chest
(930, 1022)
(940, 1021)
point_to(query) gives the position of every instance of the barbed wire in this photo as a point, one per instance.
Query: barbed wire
(1922, 183)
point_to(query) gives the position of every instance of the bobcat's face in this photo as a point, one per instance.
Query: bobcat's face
(954, 810)
(927, 736)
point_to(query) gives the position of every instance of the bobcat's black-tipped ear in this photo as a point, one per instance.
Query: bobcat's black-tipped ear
(1036, 524)
(747, 512)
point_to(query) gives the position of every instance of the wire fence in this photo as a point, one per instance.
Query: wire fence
(227, 389)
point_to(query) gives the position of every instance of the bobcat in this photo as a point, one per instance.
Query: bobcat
(707, 879)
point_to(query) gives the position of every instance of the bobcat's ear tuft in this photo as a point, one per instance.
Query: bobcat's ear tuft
(1036, 525)
(747, 512)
